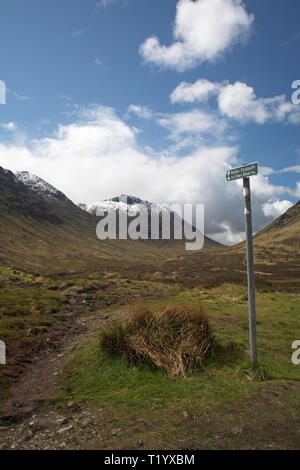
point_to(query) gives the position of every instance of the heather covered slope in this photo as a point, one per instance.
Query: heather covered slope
(276, 256)
(285, 229)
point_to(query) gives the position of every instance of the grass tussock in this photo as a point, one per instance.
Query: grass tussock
(177, 338)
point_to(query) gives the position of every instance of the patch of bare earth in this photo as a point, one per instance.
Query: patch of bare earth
(38, 364)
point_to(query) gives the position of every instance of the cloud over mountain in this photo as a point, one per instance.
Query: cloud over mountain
(97, 156)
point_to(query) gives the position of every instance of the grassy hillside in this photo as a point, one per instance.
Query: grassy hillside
(284, 230)
(276, 255)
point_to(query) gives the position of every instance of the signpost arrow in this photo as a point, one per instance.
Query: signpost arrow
(245, 172)
(242, 172)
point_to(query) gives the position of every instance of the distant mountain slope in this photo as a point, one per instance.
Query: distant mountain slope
(285, 229)
(276, 259)
(135, 205)
(41, 230)
(116, 203)
(38, 185)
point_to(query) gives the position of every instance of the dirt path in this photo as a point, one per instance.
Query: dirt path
(39, 381)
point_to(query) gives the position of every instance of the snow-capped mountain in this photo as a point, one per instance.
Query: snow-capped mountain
(39, 185)
(133, 204)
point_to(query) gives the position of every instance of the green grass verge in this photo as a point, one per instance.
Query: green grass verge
(26, 308)
(104, 381)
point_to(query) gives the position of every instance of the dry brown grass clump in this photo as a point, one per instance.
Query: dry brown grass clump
(177, 338)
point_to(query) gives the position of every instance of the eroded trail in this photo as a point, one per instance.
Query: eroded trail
(39, 381)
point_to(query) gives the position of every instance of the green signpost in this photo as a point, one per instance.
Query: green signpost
(242, 172)
(245, 172)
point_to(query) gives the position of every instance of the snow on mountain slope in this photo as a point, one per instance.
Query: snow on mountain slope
(134, 204)
(38, 185)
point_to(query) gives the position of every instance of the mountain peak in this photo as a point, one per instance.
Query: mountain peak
(131, 200)
(40, 186)
(134, 203)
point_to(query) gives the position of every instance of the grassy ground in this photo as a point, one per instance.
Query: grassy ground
(26, 307)
(221, 406)
(29, 302)
(35, 309)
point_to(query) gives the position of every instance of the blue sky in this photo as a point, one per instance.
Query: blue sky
(155, 98)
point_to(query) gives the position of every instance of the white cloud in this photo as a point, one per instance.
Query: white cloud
(195, 127)
(263, 189)
(275, 209)
(19, 97)
(287, 111)
(97, 157)
(194, 121)
(97, 61)
(238, 101)
(65, 97)
(199, 91)
(266, 170)
(141, 111)
(10, 126)
(203, 30)
(290, 169)
(269, 171)
(226, 236)
(296, 193)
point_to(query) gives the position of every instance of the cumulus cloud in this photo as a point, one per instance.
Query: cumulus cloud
(238, 101)
(186, 129)
(290, 169)
(194, 121)
(10, 126)
(97, 156)
(141, 111)
(199, 91)
(276, 208)
(203, 30)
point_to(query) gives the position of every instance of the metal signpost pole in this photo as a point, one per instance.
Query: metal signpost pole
(250, 271)
(244, 172)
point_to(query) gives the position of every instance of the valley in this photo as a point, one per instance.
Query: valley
(59, 286)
